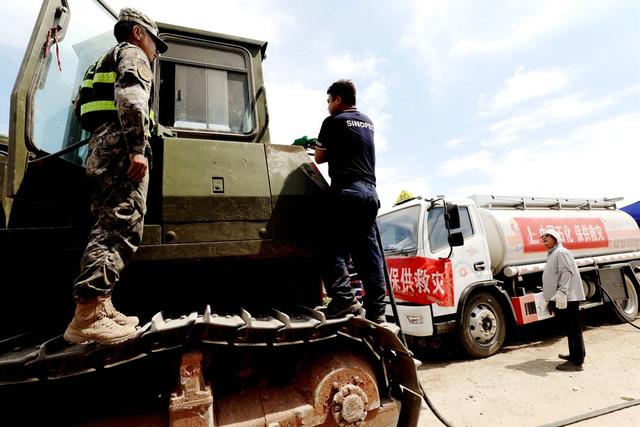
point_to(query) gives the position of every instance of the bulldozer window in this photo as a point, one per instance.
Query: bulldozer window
(89, 35)
(205, 88)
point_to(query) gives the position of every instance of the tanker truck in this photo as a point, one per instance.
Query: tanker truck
(473, 267)
(226, 282)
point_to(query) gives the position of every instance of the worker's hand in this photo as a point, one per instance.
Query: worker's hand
(306, 142)
(138, 168)
(561, 300)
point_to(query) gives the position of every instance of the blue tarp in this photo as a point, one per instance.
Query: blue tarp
(633, 210)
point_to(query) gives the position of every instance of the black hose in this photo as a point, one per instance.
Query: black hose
(433, 408)
(394, 308)
(615, 306)
(392, 298)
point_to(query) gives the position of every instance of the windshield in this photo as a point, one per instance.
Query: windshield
(89, 35)
(399, 230)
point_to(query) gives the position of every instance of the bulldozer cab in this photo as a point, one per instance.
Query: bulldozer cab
(208, 92)
(219, 192)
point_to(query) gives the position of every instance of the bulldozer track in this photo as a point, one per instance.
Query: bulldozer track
(26, 358)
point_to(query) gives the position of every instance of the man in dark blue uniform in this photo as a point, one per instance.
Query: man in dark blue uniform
(346, 142)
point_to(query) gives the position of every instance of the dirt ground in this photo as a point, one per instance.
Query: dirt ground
(520, 387)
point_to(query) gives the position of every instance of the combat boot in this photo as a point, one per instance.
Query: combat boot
(116, 316)
(91, 323)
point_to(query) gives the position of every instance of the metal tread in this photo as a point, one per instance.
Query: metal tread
(24, 359)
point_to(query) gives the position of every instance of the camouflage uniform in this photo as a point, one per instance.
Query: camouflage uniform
(119, 205)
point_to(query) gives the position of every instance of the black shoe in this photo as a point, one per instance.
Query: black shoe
(569, 367)
(564, 356)
(334, 311)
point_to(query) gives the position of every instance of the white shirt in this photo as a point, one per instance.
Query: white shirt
(561, 274)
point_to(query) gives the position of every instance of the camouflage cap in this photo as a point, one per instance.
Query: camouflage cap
(133, 15)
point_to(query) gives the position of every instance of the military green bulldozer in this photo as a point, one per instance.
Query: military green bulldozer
(226, 281)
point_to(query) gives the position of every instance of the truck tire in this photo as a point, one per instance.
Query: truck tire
(482, 329)
(627, 310)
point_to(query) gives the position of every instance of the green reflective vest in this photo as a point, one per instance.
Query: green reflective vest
(94, 103)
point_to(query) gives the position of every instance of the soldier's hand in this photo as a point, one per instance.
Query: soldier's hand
(138, 168)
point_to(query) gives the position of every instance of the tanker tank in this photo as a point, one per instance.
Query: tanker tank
(587, 228)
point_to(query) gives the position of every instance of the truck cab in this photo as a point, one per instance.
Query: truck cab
(433, 309)
(417, 228)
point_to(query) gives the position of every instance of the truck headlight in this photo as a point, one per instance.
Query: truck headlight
(415, 320)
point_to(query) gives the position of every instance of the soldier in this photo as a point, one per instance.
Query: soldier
(113, 103)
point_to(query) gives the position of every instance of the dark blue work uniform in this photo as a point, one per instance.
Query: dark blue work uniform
(348, 139)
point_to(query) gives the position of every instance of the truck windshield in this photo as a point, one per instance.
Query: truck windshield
(399, 230)
(88, 35)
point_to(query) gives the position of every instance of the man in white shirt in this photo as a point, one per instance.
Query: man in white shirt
(562, 288)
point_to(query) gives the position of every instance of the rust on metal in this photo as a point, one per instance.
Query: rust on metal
(349, 406)
(192, 405)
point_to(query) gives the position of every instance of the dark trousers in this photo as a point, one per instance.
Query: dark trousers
(353, 234)
(570, 319)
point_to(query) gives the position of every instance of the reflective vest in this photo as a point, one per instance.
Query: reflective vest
(94, 103)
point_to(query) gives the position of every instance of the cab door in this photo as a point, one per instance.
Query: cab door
(215, 180)
(42, 190)
(470, 262)
(45, 194)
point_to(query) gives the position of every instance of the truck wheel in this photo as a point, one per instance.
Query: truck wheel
(628, 307)
(483, 328)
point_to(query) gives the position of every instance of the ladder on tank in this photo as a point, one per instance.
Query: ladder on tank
(515, 202)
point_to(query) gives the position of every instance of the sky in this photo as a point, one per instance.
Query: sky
(536, 98)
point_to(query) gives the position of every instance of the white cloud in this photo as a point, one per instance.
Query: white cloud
(346, 65)
(294, 110)
(506, 131)
(527, 85)
(446, 34)
(259, 19)
(521, 23)
(479, 160)
(571, 107)
(598, 159)
(454, 142)
(549, 113)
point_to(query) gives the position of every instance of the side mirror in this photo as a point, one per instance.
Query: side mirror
(452, 217)
(456, 239)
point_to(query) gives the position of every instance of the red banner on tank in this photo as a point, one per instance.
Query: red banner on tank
(576, 233)
(422, 280)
